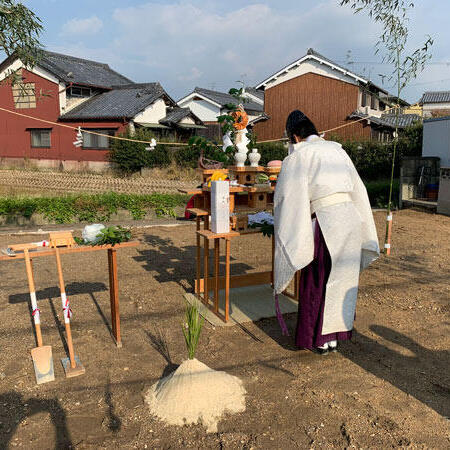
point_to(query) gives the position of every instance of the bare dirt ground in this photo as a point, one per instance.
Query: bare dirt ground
(389, 387)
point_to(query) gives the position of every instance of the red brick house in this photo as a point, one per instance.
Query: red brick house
(331, 95)
(78, 92)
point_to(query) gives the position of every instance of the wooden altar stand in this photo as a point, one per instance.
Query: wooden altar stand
(112, 268)
(244, 200)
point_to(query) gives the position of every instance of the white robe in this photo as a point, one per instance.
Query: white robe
(314, 170)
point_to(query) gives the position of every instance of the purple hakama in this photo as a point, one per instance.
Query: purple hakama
(313, 282)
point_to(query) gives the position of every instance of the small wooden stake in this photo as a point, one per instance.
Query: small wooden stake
(114, 296)
(198, 220)
(227, 279)
(216, 274)
(205, 271)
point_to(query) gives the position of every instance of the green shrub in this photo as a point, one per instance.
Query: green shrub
(373, 159)
(159, 157)
(378, 192)
(271, 151)
(130, 156)
(90, 208)
(189, 155)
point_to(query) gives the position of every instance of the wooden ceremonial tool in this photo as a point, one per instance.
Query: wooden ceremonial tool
(72, 365)
(42, 354)
(12, 249)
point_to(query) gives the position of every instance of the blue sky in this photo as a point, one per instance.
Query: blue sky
(210, 43)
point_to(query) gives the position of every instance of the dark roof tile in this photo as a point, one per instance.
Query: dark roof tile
(436, 97)
(388, 120)
(81, 71)
(122, 101)
(223, 98)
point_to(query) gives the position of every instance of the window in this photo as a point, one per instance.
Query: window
(95, 141)
(24, 95)
(77, 91)
(382, 106)
(364, 99)
(373, 102)
(40, 138)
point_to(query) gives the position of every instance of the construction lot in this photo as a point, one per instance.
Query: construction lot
(388, 387)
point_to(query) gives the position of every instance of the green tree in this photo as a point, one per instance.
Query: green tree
(392, 15)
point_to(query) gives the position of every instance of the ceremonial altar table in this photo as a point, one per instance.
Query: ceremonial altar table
(112, 267)
(244, 200)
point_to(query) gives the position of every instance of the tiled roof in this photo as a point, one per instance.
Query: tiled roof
(255, 92)
(122, 101)
(312, 54)
(81, 71)
(436, 97)
(223, 98)
(404, 120)
(175, 115)
(388, 120)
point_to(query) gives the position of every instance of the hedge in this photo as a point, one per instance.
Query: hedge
(90, 208)
(372, 159)
(378, 192)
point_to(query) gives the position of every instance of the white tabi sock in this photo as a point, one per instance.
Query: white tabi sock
(324, 347)
(332, 344)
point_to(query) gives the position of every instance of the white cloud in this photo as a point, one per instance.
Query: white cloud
(166, 40)
(193, 74)
(90, 25)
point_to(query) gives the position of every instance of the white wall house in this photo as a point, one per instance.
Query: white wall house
(207, 105)
(203, 108)
(153, 113)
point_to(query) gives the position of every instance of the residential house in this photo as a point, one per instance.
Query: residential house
(72, 92)
(435, 104)
(331, 95)
(207, 105)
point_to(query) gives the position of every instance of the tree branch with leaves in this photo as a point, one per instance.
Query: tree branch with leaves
(393, 16)
(20, 30)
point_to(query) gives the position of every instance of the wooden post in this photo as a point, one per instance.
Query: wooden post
(297, 285)
(227, 279)
(29, 268)
(114, 296)
(205, 270)
(273, 258)
(216, 274)
(198, 219)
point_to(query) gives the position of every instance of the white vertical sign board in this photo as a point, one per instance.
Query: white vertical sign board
(220, 206)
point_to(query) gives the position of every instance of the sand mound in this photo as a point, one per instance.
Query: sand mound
(194, 393)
